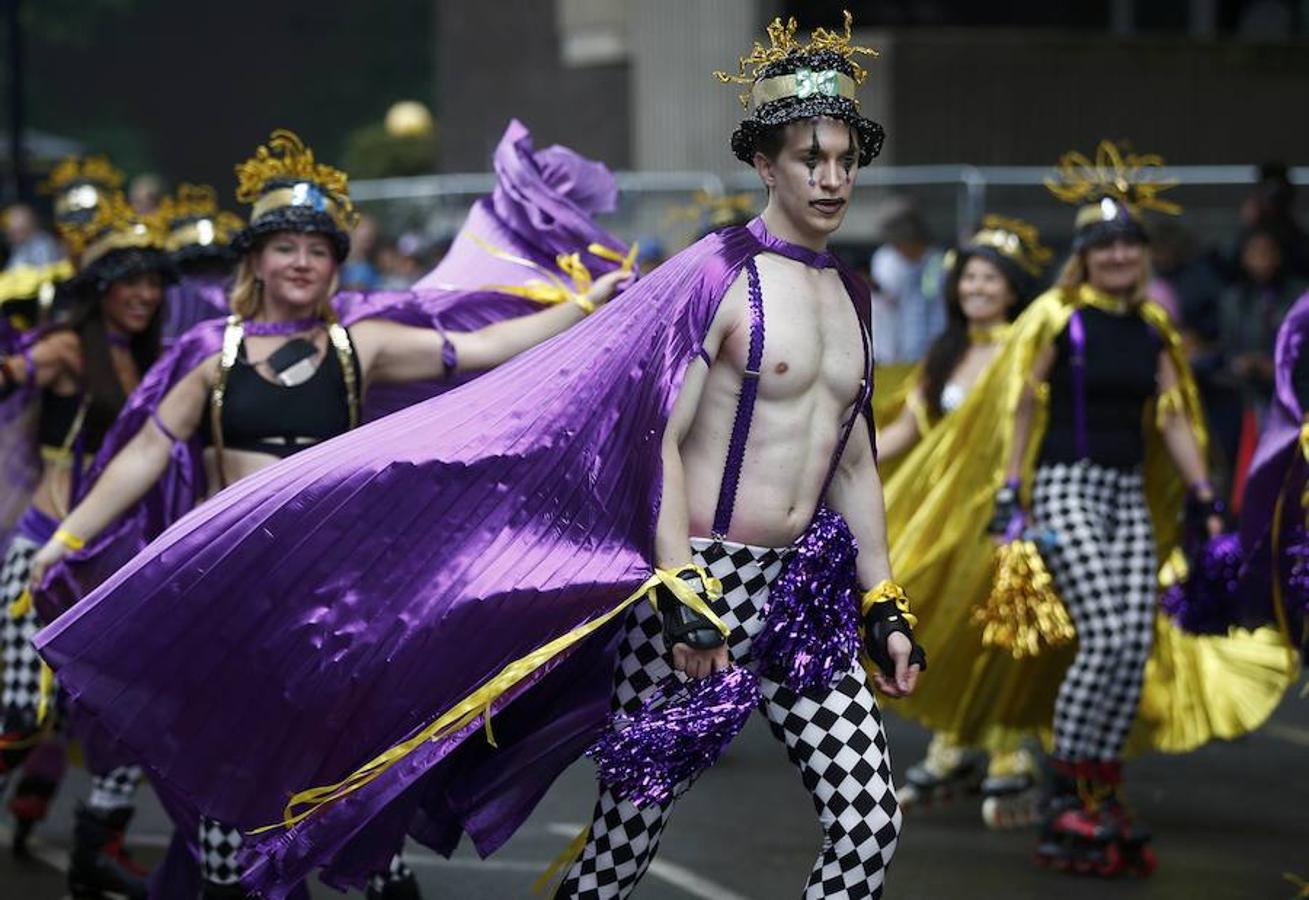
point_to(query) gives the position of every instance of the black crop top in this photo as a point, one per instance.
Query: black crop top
(1122, 364)
(264, 417)
(58, 418)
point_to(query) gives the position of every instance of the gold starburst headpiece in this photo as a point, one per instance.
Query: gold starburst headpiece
(1015, 240)
(781, 44)
(1111, 191)
(194, 220)
(78, 184)
(788, 81)
(114, 226)
(284, 180)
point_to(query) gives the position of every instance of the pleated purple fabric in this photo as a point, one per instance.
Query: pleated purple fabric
(1277, 471)
(543, 204)
(20, 460)
(321, 611)
(192, 300)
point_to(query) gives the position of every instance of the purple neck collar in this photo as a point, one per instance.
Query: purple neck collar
(119, 340)
(812, 258)
(280, 329)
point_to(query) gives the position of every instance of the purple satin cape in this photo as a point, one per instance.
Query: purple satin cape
(20, 459)
(192, 300)
(320, 611)
(1277, 470)
(542, 205)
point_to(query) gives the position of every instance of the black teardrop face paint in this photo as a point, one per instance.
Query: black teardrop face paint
(814, 150)
(850, 154)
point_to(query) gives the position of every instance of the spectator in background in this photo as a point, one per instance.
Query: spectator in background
(1197, 281)
(1271, 205)
(402, 263)
(145, 192)
(908, 312)
(28, 244)
(1253, 308)
(359, 273)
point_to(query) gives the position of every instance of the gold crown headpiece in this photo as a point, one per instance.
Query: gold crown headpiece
(803, 82)
(1116, 178)
(283, 173)
(1016, 240)
(193, 219)
(115, 226)
(79, 183)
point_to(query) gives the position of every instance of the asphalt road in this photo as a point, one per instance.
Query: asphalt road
(1229, 820)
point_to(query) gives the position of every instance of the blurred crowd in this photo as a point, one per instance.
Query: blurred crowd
(1228, 301)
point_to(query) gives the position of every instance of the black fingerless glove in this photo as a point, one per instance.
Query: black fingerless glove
(880, 622)
(683, 625)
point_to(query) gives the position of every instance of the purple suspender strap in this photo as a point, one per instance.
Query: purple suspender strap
(744, 408)
(1077, 369)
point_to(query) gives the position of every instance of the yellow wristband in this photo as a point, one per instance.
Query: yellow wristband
(585, 302)
(69, 540)
(888, 591)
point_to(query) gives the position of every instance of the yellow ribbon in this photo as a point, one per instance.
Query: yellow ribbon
(553, 290)
(21, 606)
(305, 803)
(45, 693)
(563, 860)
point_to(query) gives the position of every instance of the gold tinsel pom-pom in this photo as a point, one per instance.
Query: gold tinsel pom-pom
(1023, 613)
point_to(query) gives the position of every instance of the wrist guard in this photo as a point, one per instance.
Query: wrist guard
(880, 622)
(683, 625)
(1007, 508)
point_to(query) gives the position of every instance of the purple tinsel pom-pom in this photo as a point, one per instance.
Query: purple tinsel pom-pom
(811, 627)
(1205, 602)
(679, 732)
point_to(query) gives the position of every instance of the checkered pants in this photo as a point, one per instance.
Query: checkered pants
(1104, 565)
(20, 693)
(221, 844)
(833, 735)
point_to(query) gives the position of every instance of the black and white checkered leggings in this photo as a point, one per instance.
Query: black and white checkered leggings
(1104, 565)
(834, 736)
(20, 694)
(221, 844)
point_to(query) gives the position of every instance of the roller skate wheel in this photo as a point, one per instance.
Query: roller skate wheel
(1112, 862)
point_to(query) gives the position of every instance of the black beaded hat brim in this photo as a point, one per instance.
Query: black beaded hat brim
(193, 253)
(117, 265)
(1109, 230)
(297, 219)
(797, 109)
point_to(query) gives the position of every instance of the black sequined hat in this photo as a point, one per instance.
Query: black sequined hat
(116, 243)
(790, 82)
(1015, 247)
(293, 192)
(78, 184)
(197, 229)
(1111, 192)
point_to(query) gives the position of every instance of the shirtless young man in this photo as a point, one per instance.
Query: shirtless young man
(754, 446)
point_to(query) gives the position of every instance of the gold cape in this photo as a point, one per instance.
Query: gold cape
(938, 504)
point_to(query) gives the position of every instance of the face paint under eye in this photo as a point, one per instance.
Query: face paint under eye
(814, 151)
